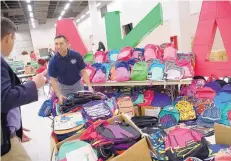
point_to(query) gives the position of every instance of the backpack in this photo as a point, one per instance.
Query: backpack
(209, 117)
(96, 110)
(82, 149)
(226, 115)
(113, 72)
(145, 121)
(173, 72)
(187, 66)
(100, 74)
(99, 57)
(46, 108)
(138, 54)
(214, 85)
(226, 88)
(122, 71)
(170, 53)
(186, 110)
(88, 58)
(90, 71)
(139, 71)
(112, 55)
(222, 99)
(125, 54)
(125, 105)
(108, 69)
(181, 137)
(148, 97)
(152, 52)
(205, 92)
(169, 116)
(156, 71)
(161, 100)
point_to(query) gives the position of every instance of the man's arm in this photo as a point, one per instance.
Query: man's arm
(85, 77)
(54, 84)
(16, 96)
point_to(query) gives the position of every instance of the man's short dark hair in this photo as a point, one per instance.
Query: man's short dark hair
(7, 27)
(61, 36)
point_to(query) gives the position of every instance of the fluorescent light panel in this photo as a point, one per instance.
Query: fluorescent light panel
(98, 4)
(62, 13)
(28, 1)
(87, 12)
(59, 18)
(67, 6)
(29, 7)
(32, 19)
(31, 14)
(82, 16)
(77, 20)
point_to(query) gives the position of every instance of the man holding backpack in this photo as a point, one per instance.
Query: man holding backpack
(13, 95)
(66, 69)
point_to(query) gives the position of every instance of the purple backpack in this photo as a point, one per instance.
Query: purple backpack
(214, 85)
(96, 110)
(161, 100)
(122, 71)
(226, 88)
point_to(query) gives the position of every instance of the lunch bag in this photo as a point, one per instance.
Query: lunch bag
(139, 71)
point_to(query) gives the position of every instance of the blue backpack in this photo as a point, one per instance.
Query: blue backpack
(46, 108)
(226, 88)
(161, 100)
(112, 55)
(222, 99)
(108, 69)
(156, 70)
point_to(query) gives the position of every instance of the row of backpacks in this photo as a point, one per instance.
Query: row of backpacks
(125, 65)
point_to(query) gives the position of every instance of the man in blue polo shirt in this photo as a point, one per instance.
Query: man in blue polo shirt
(66, 69)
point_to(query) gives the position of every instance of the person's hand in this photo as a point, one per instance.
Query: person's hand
(91, 89)
(39, 80)
(61, 98)
(25, 138)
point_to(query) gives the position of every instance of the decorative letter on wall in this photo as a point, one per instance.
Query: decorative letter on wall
(67, 28)
(113, 28)
(213, 14)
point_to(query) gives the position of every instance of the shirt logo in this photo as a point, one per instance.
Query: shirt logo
(73, 61)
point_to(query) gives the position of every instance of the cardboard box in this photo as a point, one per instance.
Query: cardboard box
(150, 111)
(222, 134)
(137, 152)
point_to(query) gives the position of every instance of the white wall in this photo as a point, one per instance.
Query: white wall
(175, 23)
(43, 35)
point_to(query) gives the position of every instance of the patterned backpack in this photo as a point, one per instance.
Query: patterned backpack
(172, 71)
(186, 110)
(112, 55)
(125, 54)
(122, 71)
(169, 116)
(156, 70)
(187, 66)
(152, 52)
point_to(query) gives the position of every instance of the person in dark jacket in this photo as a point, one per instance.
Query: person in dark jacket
(13, 95)
(101, 47)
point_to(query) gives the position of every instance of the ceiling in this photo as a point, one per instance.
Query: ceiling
(18, 12)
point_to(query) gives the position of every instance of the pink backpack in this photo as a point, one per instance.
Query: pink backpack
(122, 71)
(170, 53)
(90, 71)
(99, 57)
(99, 77)
(152, 52)
(205, 92)
(187, 66)
(125, 54)
(190, 90)
(106, 57)
(181, 137)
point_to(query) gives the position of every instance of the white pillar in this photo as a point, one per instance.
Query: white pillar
(95, 23)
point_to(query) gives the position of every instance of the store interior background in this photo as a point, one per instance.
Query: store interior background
(180, 18)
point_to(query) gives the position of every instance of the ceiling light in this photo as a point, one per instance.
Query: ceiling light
(31, 14)
(77, 20)
(67, 6)
(55, 25)
(33, 26)
(62, 13)
(82, 16)
(29, 7)
(59, 17)
(32, 19)
(87, 12)
(28, 1)
(70, 0)
(98, 4)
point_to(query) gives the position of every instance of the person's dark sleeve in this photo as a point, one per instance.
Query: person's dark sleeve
(52, 72)
(81, 63)
(16, 96)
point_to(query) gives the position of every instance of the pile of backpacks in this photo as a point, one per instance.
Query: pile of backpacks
(152, 62)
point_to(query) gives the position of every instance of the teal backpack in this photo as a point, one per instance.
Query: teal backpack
(139, 71)
(156, 70)
(169, 116)
(226, 115)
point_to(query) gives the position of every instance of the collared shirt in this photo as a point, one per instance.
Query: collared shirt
(66, 69)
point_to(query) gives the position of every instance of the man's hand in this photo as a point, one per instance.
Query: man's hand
(91, 89)
(61, 98)
(25, 138)
(39, 80)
